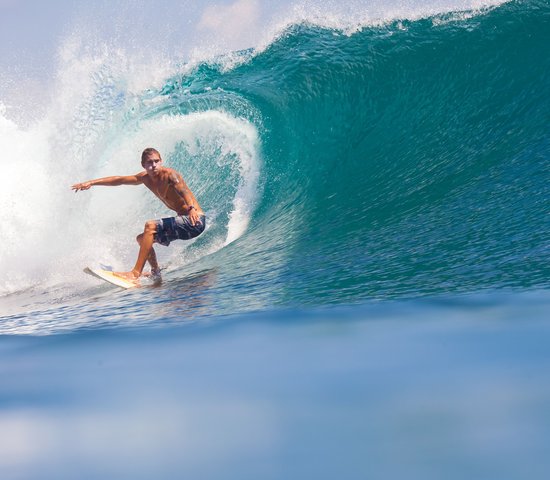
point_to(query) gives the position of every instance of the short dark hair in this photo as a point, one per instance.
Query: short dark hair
(148, 152)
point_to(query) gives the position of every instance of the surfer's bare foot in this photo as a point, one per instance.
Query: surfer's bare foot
(152, 274)
(131, 276)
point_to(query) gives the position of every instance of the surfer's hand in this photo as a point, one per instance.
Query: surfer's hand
(193, 217)
(81, 186)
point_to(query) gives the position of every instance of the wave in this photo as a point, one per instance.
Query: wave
(397, 158)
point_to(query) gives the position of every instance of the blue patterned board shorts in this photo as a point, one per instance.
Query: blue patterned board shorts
(178, 228)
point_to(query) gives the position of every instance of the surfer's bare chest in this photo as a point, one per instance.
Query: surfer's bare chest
(164, 189)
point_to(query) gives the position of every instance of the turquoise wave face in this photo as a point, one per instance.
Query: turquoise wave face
(405, 159)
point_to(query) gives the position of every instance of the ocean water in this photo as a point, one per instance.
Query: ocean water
(370, 298)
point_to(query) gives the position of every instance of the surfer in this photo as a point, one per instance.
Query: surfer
(169, 186)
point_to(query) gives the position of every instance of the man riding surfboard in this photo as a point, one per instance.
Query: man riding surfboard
(169, 186)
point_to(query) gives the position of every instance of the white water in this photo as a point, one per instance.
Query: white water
(50, 233)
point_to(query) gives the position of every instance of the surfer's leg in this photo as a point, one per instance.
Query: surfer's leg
(145, 247)
(152, 258)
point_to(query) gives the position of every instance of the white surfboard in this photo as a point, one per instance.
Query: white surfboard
(110, 277)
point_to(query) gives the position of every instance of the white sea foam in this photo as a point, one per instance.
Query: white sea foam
(49, 233)
(94, 127)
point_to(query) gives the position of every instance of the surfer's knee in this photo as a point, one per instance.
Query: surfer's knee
(150, 227)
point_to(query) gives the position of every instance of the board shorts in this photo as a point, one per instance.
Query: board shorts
(177, 228)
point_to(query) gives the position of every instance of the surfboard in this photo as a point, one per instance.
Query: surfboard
(110, 277)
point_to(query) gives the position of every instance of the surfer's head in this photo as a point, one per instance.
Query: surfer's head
(151, 160)
(149, 152)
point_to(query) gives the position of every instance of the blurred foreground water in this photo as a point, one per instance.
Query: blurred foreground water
(448, 388)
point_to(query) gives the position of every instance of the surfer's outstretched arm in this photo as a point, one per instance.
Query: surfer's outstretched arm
(115, 181)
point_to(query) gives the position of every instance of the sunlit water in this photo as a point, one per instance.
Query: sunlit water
(370, 297)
